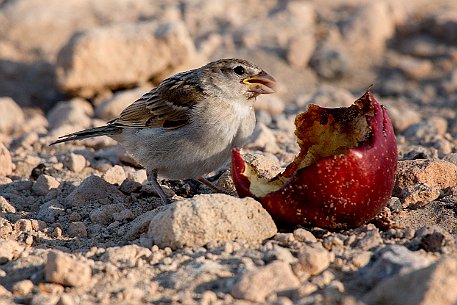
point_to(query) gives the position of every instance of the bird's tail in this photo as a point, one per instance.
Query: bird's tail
(106, 130)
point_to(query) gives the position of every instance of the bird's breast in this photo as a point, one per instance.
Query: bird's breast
(225, 126)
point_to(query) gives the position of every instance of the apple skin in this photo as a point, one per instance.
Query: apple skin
(340, 191)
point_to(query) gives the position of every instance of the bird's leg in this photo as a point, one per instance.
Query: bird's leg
(152, 177)
(213, 187)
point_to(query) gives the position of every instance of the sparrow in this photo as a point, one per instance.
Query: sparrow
(187, 126)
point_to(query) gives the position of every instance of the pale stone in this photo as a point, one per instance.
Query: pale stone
(63, 269)
(6, 164)
(44, 184)
(255, 285)
(203, 218)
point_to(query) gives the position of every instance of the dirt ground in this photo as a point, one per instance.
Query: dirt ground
(80, 223)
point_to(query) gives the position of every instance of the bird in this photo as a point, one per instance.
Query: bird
(187, 126)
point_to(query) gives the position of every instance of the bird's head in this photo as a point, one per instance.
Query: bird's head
(238, 78)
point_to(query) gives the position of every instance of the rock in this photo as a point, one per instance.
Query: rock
(203, 218)
(401, 11)
(49, 211)
(284, 238)
(361, 258)
(414, 68)
(77, 229)
(6, 164)
(124, 215)
(433, 173)
(115, 175)
(23, 225)
(394, 204)
(12, 117)
(129, 186)
(417, 152)
(312, 261)
(140, 225)
(4, 292)
(23, 287)
(28, 58)
(9, 249)
(92, 188)
(419, 194)
(300, 49)
(280, 26)
(432, 242)
(113, 106)
(371, 240)
(431, 285)
(370, 26)
(44, 184)
(390, 261)
(444, 25)
(139, 176)
(263, 139)
(57, 232)
(38, 225)
(330, 61)
(5, 206)
(280, 254)
(126, 255)
(30, 135)
(44, 298)
(105, 213)
(5, 180)
(36, 124)
(422, 46)
(225, 182)
(196, 274)
(452, 157)
(304, 236)
(76, 113)
(74, 162)
(134, 181)
(102, 58)
(61, 268)
(76, 16)
(324, 279)
(432, 239)
(426, 130)
(440, 124)
(335, 242)
(255, 285)
(327, 96)
(443, 146)
(67, 299)
(402, 115)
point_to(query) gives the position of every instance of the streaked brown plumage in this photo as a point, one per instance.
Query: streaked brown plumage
(187, 126)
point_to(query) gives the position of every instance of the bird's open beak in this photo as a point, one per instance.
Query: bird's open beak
(262, 83)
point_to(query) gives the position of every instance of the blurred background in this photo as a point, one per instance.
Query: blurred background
(66, 63)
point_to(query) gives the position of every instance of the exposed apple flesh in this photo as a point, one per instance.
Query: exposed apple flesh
(343, 175)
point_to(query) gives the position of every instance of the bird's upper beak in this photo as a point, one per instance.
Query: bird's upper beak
(262, 83)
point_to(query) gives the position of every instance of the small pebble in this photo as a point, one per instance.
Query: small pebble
(23, 287)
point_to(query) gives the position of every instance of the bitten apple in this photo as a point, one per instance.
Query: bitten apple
(343, 175)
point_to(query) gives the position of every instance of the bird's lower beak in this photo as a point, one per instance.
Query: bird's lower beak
(262, 83)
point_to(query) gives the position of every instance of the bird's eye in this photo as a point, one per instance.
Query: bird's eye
(239, 70)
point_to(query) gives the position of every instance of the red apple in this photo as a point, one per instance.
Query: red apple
(343, 175)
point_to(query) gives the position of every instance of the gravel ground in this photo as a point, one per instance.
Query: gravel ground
(79, 223)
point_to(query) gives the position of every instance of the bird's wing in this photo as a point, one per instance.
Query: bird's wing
(168, 106)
